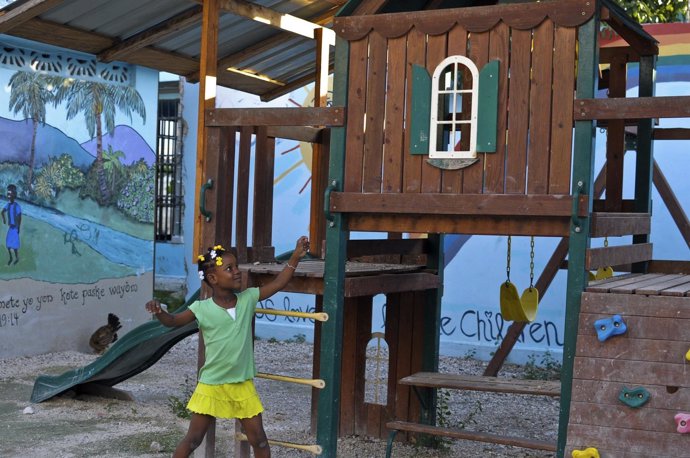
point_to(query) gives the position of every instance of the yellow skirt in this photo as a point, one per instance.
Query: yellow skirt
(230, 400)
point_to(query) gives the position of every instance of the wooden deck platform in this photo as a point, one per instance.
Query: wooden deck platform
(361, 278)
(646, 284)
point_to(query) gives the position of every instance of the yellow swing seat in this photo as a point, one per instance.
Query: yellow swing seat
(518, 308)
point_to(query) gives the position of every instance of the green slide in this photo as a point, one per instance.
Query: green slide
(131, 354)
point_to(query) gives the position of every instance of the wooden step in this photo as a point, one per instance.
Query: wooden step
(619, 224)
(457, 433)
(617, 255)
(483, 383)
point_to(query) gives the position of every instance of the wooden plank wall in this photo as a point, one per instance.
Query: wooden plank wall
(230, 154)
(535, 114)
(651, 355)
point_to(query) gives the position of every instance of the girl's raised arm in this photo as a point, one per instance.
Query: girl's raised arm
(278, 283)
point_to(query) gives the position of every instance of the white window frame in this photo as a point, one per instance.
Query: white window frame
(455, 61)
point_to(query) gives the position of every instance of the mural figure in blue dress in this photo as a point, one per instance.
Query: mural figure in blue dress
(14, 221)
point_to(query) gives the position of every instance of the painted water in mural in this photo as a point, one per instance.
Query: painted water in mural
(77, 179)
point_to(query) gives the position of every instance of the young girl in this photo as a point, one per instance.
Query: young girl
(225, 388)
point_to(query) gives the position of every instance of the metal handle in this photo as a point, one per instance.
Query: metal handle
(327, 202)
(202, 199)
(576, 207)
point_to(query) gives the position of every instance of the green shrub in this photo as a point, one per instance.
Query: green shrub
(548, 368)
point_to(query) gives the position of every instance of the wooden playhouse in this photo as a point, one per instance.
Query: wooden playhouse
(473, 120)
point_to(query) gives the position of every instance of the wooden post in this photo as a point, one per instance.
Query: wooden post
(644, 158)
(319, 158)
(334, 278)
(207, 100)
(582, 184)
(615, 139)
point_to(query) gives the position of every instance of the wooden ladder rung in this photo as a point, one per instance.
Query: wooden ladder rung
(619, 224)
(483, 383)
(617, 255)
(457, 433)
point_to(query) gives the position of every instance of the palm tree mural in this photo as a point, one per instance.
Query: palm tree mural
(29, 93)
(99, 103)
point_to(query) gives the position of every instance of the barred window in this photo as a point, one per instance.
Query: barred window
(169, 199)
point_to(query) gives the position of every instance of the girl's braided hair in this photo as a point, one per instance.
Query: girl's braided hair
(213, 257)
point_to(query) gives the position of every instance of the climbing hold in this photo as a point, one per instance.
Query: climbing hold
(590, 452)
(633, 397)
(682, 422)
(687, 355)
(609, 327)
(591, 276)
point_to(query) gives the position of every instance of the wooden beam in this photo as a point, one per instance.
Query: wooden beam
(92, 43)
(307, 116)
(149, 36)
(617, 255)
(283, 21)
(289, 87)
(232, 60)
(626, 53)
(358, 248)
(539, 226)
(669, 267)
(632, 108)
(25, 11)
(207, 101)
(615, 139)
(456, 204)
(369, 7)
(639, 43)
(301, 134)
(619, 224)
(390, 283)
(319, 157)
(671, 133)
(672, 203)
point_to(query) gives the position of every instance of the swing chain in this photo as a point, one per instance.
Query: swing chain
(531, 263)
(508, 260)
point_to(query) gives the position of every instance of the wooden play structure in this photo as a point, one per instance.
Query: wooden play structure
(473, 120)
(447, 117)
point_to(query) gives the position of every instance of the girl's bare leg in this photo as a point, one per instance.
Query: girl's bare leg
(254, 428)
(198, 426)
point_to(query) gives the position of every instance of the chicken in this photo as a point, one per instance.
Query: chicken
(105, 335)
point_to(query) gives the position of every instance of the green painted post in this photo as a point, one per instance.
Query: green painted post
(583, 179)
(432, 325)
(644, 159)
(334, 275)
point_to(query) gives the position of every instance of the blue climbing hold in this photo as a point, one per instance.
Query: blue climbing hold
(609, 327)
(634, 397)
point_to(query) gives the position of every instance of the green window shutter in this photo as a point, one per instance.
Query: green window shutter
(487, 110)
(421, 110)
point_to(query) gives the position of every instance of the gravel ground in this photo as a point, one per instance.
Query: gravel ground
(87, 426)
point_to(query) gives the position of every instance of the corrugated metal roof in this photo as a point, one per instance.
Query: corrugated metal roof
(281, 60)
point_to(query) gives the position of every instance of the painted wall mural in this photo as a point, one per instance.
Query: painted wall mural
(77, 184)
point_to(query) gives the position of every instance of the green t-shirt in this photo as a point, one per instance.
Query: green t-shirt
(228, 341)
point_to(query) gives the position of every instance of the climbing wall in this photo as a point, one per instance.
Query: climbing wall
(631, 376)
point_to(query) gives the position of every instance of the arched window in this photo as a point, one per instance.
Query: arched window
(454, 102)
(376, 377)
